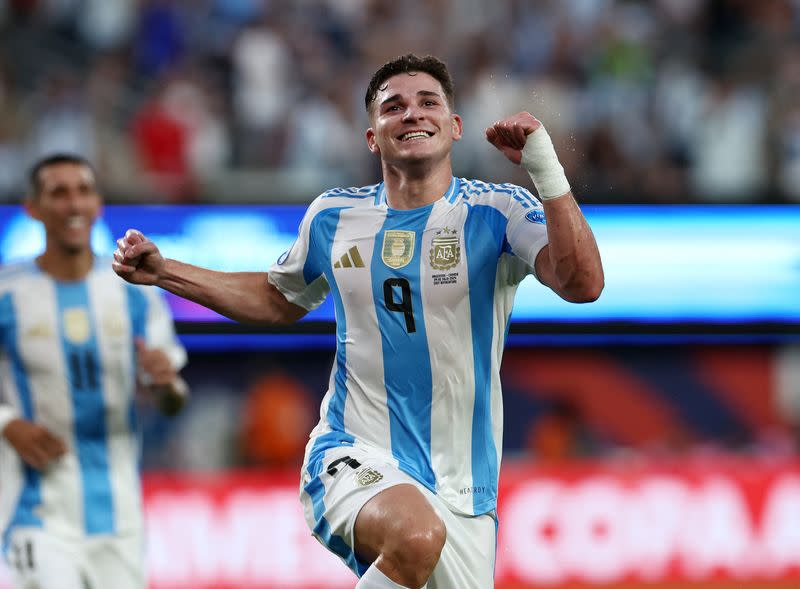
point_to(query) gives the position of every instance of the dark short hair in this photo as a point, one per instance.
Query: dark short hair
(408, 64)
(34, 182)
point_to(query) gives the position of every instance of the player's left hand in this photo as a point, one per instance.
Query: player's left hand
(155, 363)
(163, 382)
(509, 135)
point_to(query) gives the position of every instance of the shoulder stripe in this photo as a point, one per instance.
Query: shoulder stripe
(470, 188)
(517, 197)
(352, 192)
(525, 194)
(15, 270)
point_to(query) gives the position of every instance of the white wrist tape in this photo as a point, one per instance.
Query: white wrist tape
(540, 160)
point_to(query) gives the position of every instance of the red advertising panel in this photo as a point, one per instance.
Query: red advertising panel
(682, 525)
(714, 523)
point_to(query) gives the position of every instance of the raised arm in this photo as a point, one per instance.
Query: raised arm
(570, 263)
(246, 297)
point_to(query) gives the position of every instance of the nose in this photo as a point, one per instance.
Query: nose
(77, 201)
(74, 200)
(412, 113)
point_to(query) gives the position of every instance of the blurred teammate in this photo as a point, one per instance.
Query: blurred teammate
(73, 338)
(400, 477)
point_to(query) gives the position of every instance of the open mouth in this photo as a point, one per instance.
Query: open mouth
(76, 222)
(415, 135)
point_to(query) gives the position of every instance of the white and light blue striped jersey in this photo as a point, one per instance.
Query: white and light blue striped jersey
(68, 362)
(422, 300)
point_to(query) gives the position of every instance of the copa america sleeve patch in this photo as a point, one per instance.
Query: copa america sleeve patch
(536, 216)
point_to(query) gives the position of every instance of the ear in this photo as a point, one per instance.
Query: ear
(371, 143)
(457, 127)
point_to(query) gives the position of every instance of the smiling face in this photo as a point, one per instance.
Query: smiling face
(67, 204)
(411, 121)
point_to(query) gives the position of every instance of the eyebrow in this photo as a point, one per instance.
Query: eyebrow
(83, 185)
(396, 97)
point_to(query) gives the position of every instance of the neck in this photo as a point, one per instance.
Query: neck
(411, 188)
(64, 265)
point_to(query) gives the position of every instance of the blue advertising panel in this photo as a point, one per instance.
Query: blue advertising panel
(665, 265)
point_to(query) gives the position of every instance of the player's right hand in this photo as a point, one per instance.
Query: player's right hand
(34, 443)
(137, 259)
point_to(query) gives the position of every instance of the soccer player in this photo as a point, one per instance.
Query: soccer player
(73, 340)
(400, 475)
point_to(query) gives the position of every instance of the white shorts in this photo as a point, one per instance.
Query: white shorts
(42, 560)
(350, 476)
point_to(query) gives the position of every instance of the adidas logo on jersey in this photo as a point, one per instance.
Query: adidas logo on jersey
(352, 259)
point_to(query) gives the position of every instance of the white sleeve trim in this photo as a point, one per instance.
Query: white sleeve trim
(310, 298)
(7, 414)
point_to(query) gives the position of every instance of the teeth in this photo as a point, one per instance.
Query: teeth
(414, 135)
(75, 222)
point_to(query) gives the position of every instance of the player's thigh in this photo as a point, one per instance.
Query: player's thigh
(334, 491)
(394, 517)
(38, 560)
(117, 561)
(467, 560)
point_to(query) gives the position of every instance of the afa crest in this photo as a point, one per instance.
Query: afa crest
(368, 476)
(445, 250)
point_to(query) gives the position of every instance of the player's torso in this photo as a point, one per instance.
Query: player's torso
(68, 352)
(414, 292)
(422, 299)
(68, 364)
(389, 259)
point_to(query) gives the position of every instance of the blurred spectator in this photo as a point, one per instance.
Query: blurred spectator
(108, 104)
(309, 152)
(787, 386)
(786, 122)
(277, 416)
(199, 110)
(561, 433)
(159, 40)
(62, 122)
(729, 149)
(161, 139)
(203, 438)
(12, 125)
(790, 154)
(106, 24)
(262, 92)
(663, 101)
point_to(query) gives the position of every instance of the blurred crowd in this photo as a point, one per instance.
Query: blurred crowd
(241, 100)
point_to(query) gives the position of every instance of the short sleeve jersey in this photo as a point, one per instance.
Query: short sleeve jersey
(68, 362)
(422, 300)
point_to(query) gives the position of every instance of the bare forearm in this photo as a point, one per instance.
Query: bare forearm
(573, 255)
(242, 296)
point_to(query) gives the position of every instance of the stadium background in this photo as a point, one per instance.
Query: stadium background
(632, 459)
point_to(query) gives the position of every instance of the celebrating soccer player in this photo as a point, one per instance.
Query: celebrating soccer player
(400, 475)
(73, 337)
